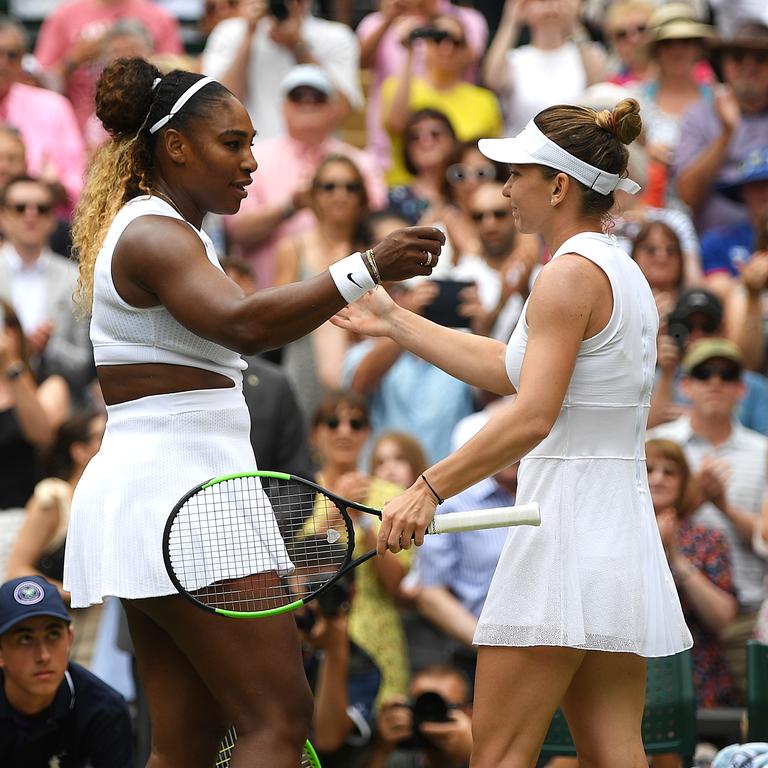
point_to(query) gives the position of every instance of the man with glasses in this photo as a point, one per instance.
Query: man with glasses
(503, 268)
(277, 201)
(39, 284)
(698, 314)
(717, 136)
(731, 466)
(45, 120)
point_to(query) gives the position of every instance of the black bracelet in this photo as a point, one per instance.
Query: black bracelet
(434, 492)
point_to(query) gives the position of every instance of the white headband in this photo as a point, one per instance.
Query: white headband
(531, 146)
(181, 101)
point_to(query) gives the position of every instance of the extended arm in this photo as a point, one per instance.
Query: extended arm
(161, 261)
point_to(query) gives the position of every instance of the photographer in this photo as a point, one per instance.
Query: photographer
(344, 679)
(432, 730)
(698, 314)
(251, 53)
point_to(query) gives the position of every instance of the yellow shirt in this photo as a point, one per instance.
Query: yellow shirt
(474, 112)
(374, 619)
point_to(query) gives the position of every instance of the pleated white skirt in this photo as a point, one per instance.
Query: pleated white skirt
(155, 449)
(594, 574)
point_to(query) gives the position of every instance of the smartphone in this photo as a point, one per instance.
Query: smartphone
(444, 310)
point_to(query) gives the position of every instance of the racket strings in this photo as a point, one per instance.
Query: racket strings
(228, 744)
(253, 544)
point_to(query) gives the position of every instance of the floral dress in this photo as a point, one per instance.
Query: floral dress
(707, 549)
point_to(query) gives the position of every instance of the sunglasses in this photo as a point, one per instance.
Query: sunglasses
(623, 34)
(41, 208)
(458, 173)
(428, 133)
(351, 187)
(706, 372)
(334, 422)
(441, 36)
(498, 214)
(307, 95)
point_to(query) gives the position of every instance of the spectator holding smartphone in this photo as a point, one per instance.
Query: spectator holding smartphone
(251, 54)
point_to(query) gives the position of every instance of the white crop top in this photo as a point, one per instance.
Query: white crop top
(123, 334)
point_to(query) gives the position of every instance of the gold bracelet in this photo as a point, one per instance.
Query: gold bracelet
(370, 258)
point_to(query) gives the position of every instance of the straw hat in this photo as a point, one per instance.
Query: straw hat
(676, 21)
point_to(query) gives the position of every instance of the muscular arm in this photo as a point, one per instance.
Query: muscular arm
(160, 260)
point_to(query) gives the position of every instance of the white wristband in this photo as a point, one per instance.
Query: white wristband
(352, 277)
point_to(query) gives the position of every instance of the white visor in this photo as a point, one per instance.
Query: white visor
(532, 147)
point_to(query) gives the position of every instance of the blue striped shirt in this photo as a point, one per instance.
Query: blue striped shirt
(464, 562)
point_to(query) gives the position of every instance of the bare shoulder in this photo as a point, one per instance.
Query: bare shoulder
(567, 287)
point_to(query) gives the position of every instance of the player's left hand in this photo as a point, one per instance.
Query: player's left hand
(405, 519)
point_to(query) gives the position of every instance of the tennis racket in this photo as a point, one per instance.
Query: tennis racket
(264, 543)
(308, 756)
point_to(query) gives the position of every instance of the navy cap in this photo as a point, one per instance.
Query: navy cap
(753, 168)
(29, 596)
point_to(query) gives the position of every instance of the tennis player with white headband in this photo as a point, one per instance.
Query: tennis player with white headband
(577, 604)
(168, 327)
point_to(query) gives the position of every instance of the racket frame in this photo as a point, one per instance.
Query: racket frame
(347, 564)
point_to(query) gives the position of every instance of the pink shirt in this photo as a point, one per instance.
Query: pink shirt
(77, 19)
(389, 60)
(51, 135)
(283, 164)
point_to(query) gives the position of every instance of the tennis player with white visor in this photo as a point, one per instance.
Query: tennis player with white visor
(577, 604)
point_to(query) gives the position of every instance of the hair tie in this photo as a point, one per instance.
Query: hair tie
(156, 82)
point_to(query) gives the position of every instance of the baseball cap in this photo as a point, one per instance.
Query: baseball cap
(753, 168)
(309, 75)
(698, 300)
(29, 596)
(707, 349)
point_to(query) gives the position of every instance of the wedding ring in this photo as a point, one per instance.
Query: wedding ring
(429, 259)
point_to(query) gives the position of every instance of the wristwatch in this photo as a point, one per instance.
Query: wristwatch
(14, 370)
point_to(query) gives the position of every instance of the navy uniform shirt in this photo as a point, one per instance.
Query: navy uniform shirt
(87, 725)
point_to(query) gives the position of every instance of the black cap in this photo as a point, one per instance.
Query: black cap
(29, 596)
(698, 300)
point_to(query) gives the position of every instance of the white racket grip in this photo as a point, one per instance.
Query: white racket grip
(477, 519)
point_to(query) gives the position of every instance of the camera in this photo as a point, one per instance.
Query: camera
(428, 707)
(331, 602)
(679, 332)
(427, 33)
(278, 9)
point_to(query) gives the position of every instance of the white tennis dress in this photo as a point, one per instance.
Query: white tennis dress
(155, 448)
(594, 574)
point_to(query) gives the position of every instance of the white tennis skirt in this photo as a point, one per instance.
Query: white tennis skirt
(155, 449)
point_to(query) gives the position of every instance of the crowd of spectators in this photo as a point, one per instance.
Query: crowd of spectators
(367, 117)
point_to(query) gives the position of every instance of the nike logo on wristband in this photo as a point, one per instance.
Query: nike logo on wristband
(353, 281)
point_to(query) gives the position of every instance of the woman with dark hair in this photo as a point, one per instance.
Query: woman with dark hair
(339, 431)
(578, 603)
(428, 138)
(339, 200)
(167, 328)
(700, 561)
